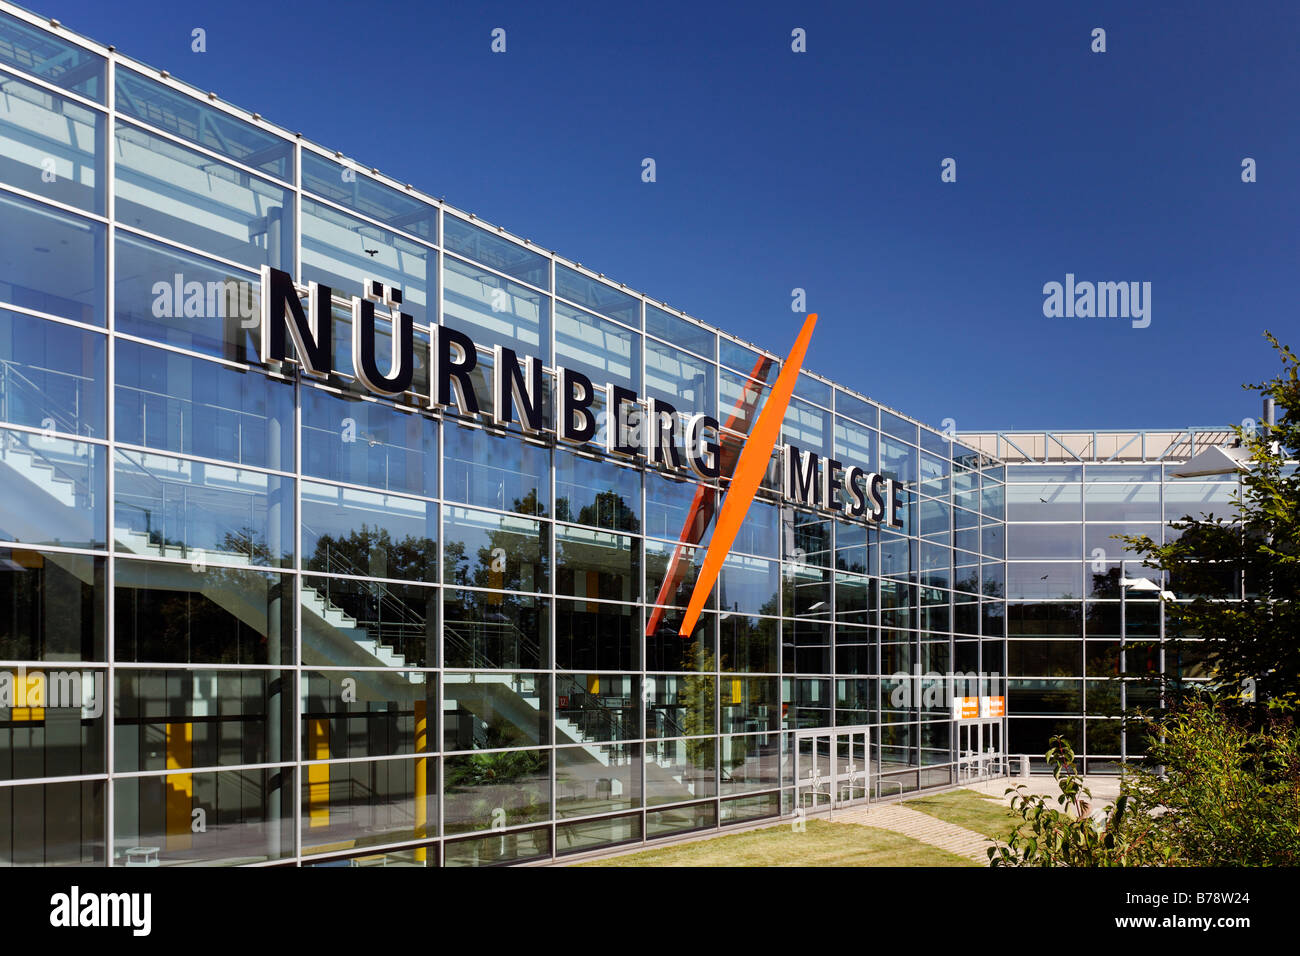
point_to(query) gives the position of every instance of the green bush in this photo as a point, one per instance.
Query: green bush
(1222, 782)
(1074, 835)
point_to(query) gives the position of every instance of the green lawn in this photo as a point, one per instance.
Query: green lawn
(968, 809)
(821, 844)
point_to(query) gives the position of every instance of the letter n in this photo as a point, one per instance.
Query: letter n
(312, 339)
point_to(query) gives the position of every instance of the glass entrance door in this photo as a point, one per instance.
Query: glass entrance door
(979, 749)
(832, 768)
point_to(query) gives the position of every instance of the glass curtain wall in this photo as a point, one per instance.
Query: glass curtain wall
(248, 617)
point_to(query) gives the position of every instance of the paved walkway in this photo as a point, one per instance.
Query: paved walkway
(948, 836)
(919, 826)
(1104, 789)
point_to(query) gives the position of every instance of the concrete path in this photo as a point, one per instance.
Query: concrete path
(1104, 789)
(919, 826)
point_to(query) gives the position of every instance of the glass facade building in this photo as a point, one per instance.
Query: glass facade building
(1083, 645)
(250, 615)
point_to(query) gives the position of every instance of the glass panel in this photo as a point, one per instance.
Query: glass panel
(367, 713)
(365, 803)
(601, 350)
(1044, 658)
(496, 252)
(189, 197)
(183, 404)
(592, 780)
(597, 707)
(680, 379)
(1122, 502)
(897, 461)
(368, 624)
(749, 705)
(201, 718)
(750, 808)
(203, 513)
(592, 834)
(680, 706)
(1029, 580)
(1044, 541)
(368, 443)
(748, 644)
(484, 791)
(369, 197)
(342, 251)
(1195, 499)
(50, 145)
(488, 550)
(184, 300)
(679, 332)
(495, 311)
(51, 606)
(368, 533)
(749, 586)
(812, 389)
(661, 823)
(667, 650)
(52, 261)
(51, 722)
(1045, 473)
(898, 427)
(936, 444)
(491, 629)
(679, 770)
(188, 118)
(52, 824)
(52, 59)
(595, 564)
(856, 408)
(513, 846)
(493, 710)
(1044, 502)
(855, 445)
(807, 427)
(596, 634)
(684, 510)
(494, 471)
(597, 493)
(177, 613)
(247, 814)
(54, 490)
(51, 375)
(597, 296)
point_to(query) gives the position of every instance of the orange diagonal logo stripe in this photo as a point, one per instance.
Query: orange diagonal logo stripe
(750, 468)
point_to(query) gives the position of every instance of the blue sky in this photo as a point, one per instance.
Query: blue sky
(821, 170)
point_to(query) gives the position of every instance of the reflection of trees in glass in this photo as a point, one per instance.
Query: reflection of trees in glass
(698, 699)
(410, 558)
(609, 510)
(1106, 585)
(500, 562)
(508, 780)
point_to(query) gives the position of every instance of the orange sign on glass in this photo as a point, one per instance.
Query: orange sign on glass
(750, 468)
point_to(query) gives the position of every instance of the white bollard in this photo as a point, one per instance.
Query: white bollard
(1024, 765)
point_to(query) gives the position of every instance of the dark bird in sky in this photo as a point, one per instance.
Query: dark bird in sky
(371, 252)
(1043, 578)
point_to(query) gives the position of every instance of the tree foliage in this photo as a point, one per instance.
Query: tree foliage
(1237, 577)
(1073, 834)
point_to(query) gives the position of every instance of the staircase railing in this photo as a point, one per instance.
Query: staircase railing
(13, 380)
